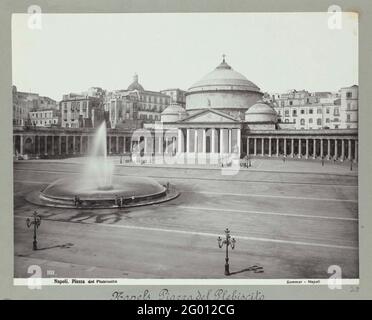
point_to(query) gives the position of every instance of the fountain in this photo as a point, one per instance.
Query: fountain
(97, 187)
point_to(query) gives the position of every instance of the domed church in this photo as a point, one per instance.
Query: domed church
(220, 107)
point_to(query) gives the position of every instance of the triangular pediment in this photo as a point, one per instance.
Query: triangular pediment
(209, 115)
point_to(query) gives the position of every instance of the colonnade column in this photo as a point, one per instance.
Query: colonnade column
(329, 149)
(356, 151)
(66, 146)
(262, 146)
(247, 146)
(255, 146)
(270, 147)
(292, 148)
(349, 150)
(74, 144)
(285, 146)
(117, 144)
(52, 152)
(314, 148)
(81, 145)
(321, 148)
(277, 147)
(299, 148)
(45, 145)
(342, 150)
(336, 151)
(59, 145)
(307, 148)
(21, 144)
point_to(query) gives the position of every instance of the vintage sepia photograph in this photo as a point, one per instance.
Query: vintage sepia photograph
(193, 146)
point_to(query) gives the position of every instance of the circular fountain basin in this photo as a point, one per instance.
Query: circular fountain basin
(124, 191)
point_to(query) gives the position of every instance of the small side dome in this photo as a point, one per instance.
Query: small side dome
(173, 113)
(261, 112)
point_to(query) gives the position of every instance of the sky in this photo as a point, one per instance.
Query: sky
(276, 51)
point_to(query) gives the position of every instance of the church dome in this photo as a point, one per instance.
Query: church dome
(223, 89)
(224, 78)
(261, 112)
(135, 84)
(173, 113)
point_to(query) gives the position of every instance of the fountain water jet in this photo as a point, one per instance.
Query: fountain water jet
(98, 187)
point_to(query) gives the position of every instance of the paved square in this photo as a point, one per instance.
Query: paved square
(291, 220)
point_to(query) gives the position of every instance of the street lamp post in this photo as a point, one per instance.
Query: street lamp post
(36, 222)
(228, 241)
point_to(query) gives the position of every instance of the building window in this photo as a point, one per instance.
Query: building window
(319, 111)
(302, 122)
(336, 126)
(335, 120)
(327, 110)
(311, 111)
(286, 113)
(348, 107)
(336, 111)
(294, 113)
(286, 121)
(327, 120)
(349, 94)
(290, 102)
(310, 120)
(348, 118)
(302, 111)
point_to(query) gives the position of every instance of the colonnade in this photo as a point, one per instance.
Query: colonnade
(340, 148)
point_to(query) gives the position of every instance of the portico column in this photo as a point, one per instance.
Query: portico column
(187, 140)
(230, 139)
(270, 147)
(117, 144)
(262, 146)
(307, 148)
(321, 147)
(248, 146)
(255, 146)
(204, 142)
(221, 141)
(314, 148)
(285, 146)
(179, 142)
(213, 141)
(299, 148)
(196, 141)
(45, 145)
(239, 138)
(349, 150)
(342, 149)
(292, 147)
(277, 147)
(124, 146)
(336, 151)
(329, 149)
